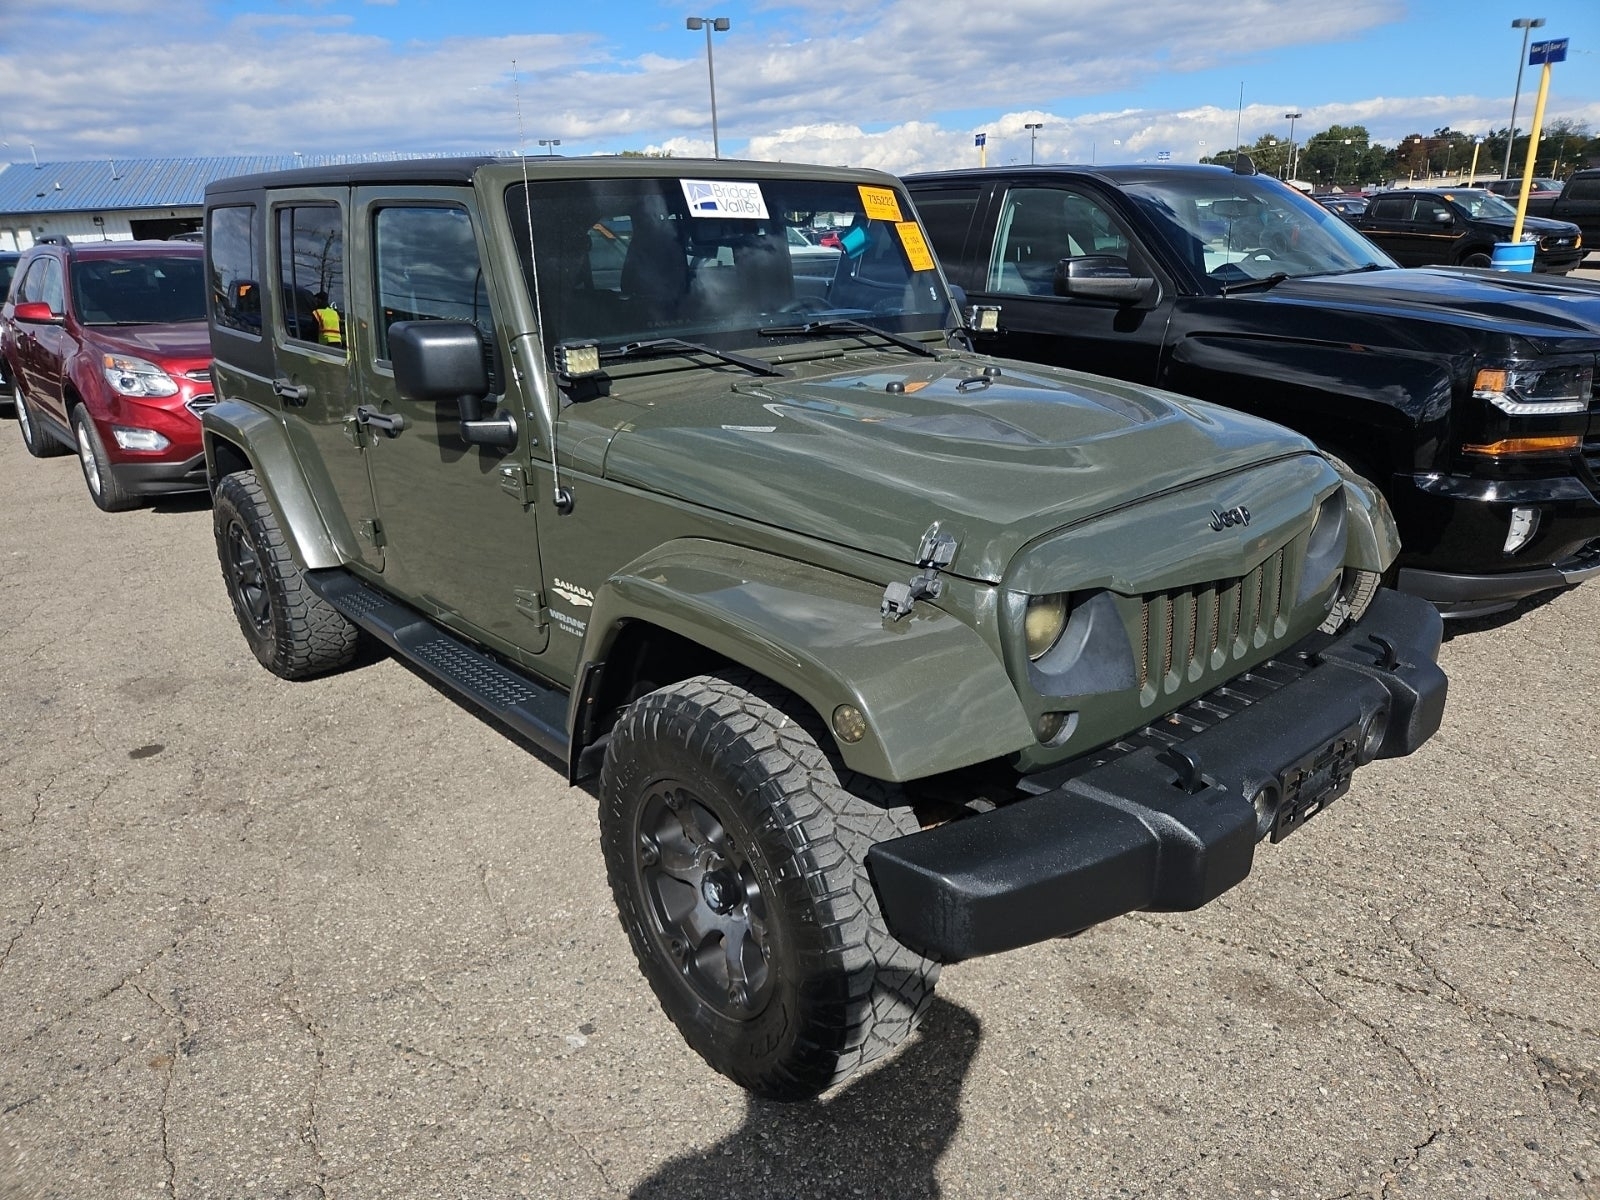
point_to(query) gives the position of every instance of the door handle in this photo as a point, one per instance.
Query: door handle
(291, 393)
(390, 423)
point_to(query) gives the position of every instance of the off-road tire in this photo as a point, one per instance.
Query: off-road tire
(733, 768)
(294, 632)
(104, 487)
(37, 442)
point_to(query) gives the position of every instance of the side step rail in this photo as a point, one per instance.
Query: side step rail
(535, 710)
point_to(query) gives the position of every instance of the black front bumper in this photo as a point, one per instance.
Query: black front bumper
(1172, 824)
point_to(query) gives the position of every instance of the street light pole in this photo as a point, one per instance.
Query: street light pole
(720, 24)
(1526, 24)
(550, 145)
(1033, 138)
(1293, 117)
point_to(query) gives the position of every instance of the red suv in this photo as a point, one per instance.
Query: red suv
(106, 343)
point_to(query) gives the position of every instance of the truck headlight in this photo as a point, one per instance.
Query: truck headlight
(132, 376)
(1534, 391)
(1042, 624)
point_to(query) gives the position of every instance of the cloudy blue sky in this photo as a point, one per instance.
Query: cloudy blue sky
(898, 84)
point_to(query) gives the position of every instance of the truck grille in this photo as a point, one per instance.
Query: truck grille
(1189, 633)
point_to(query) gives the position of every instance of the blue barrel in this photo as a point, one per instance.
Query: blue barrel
(1512, 256)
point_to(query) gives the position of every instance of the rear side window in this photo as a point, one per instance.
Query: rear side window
(1584, 189)
(235, 283)
(1389, 208)
(311, 274)
(946, 217)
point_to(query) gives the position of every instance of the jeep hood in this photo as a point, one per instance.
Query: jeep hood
(1549, 312)
(871, 458)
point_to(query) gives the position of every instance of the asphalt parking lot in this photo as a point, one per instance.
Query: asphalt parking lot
(341, 939)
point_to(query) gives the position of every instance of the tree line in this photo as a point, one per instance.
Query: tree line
(1344, 156)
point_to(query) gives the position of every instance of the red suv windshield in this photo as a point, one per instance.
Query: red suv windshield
(148, 290)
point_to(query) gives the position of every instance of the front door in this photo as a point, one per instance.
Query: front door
(1038, 227)
(314, 381)
(459, 532)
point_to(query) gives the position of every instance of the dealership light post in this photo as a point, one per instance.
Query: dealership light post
(720, 24)
(1292, 165)
(1338, 150)
(1033, 137)
(550, 145)
(1525, 24)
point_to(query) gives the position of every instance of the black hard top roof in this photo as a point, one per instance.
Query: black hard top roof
(417, 170)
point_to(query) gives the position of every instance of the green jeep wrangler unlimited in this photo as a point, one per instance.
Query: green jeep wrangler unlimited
(886, 654)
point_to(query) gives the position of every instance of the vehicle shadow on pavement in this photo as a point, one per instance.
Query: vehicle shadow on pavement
(1459, 626)
(183, 502)
(878, 1137)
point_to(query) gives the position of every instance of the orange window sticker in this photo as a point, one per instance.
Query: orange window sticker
(881, 204)
(916, 245)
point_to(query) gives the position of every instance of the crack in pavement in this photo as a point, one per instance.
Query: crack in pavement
(308, 1130)
(27, 925)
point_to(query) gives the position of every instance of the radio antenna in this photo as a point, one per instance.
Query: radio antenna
(562, 495)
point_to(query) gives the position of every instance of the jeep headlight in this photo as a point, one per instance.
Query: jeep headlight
(132, 376)
(1043, 622)
(1536, 391)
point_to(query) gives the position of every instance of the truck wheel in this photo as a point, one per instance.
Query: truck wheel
(38, 443)
(736, 849)
(1477, 259)
(104, 488)
(294, 632)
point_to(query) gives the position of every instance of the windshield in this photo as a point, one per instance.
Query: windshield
(715, 261)
(152, 290)
(1481, 204)
(1235, 227)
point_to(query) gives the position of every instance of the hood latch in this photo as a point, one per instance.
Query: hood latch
(937, 550)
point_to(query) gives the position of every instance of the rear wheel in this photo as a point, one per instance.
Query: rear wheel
(104, 487)
(736, 848)
(38, 443)
(292, 631)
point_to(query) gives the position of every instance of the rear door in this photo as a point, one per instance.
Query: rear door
(1387, 222)
(461, 542)
(314, 381)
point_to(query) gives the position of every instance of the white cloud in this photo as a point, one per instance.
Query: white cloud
(886, 83)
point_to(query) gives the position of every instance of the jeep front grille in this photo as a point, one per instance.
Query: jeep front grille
(1189, 633)
(199, 404)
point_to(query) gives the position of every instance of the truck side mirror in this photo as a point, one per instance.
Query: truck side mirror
(1443, 218)
(1102, 277)
(442, 361)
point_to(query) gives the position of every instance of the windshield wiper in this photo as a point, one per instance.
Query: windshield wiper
(1360, 269)
(848, 325)
(759, 366)
(1255, 285)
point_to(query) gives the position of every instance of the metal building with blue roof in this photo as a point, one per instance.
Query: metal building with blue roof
(117, 199)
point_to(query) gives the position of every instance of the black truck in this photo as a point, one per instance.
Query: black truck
(1467, 396)
(1578, 202)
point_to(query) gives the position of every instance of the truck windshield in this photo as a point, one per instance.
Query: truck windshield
(714, 261)
(1230, 228)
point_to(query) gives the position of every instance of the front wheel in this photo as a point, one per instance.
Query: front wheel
(105, 489)
(1477, 259)
(736, 849)
(292, 631)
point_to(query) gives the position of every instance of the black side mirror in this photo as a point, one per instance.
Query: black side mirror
(442, 361)
(1103, 277)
